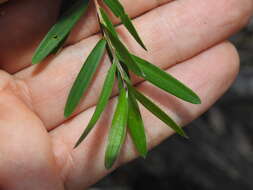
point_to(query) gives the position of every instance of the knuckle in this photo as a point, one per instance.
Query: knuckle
(17, 87)
(9, 83)
(5, 80)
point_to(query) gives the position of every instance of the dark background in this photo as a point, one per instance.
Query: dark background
(219, 154)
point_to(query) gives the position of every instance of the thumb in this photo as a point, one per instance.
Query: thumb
(27, 161)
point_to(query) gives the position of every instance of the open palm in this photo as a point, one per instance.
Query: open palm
(184, 38)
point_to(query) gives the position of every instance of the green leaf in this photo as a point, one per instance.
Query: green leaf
(59, 32)
(84, 77)
(119, 11)
(130, 27)
(136, 126)
(166, 82)
(153, 108)
(115, 7)
(106, 21)
(135, 122)
(60, 45)
(117, 132)
(123, 52)
(103, 100)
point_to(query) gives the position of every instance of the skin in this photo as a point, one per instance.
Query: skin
(185, 38)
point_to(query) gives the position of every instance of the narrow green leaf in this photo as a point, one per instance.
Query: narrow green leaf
(135, 122)
(130, 27)
(123, 52)
(106, 21)
(117, 132)
(159, 113)
(84, 77)
(60, 45)
(136, 126)
(166, 82)
(115, 7)
(119, 11)
(59, 32)
(103, 100)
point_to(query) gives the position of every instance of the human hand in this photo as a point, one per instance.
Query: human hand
(36, 142)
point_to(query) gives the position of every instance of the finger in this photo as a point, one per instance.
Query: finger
(20, 37)
(23, 23)
(88, 24)
(208, 74)
(27, 160)
(167, 36)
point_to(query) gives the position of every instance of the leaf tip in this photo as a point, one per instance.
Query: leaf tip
(144, 47)
(77, 144)
(67, 113)
(196, 100)
(182, 133)
(35, 60)
(192, 98)
(186, 136)
(108, 163)
(82, 137)
(144, 154)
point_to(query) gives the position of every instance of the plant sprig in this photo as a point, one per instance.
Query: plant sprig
(127, 114)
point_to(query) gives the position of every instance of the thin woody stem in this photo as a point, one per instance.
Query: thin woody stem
(110, 49)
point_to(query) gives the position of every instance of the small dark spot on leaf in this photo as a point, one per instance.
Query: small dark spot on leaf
(55, 37)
